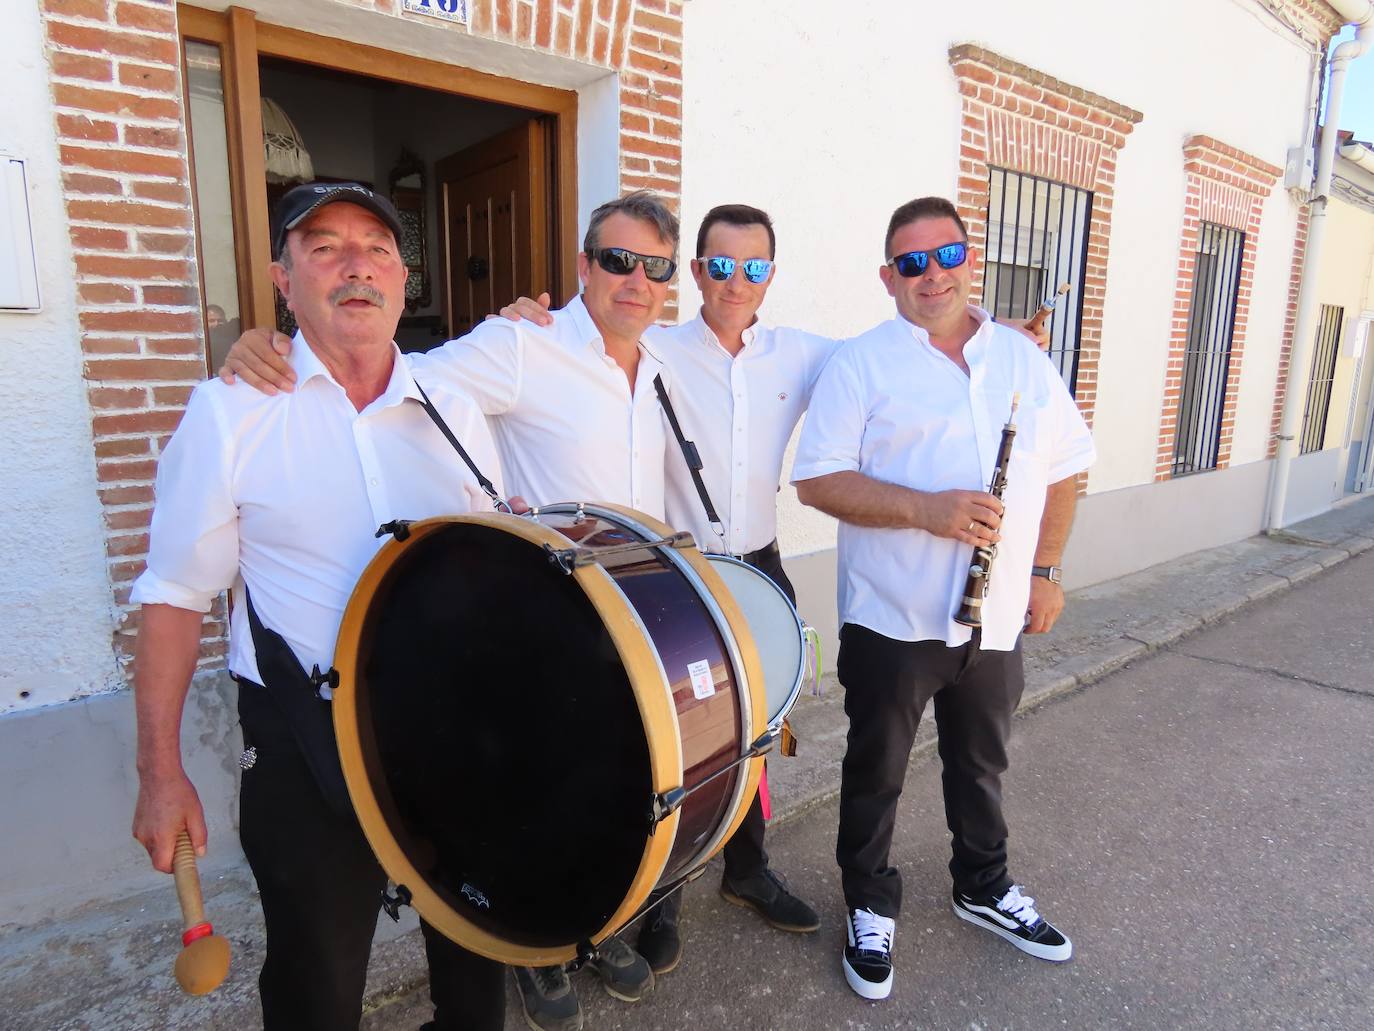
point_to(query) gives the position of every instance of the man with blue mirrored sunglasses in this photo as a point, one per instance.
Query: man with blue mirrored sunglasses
(899, 445)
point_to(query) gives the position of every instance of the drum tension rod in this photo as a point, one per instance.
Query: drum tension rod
(664, 805)
(568, 559)
(398, 528)
(393, 903)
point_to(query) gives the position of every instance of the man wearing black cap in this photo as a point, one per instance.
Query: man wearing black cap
(279, 497)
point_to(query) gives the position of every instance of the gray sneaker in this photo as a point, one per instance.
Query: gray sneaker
(548, 999)
(625, 974)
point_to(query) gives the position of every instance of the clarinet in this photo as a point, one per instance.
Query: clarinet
(980, 571)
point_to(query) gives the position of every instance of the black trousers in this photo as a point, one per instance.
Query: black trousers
(320, 887)
(887, 683)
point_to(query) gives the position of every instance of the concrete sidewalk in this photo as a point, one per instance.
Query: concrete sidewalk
(110, 966)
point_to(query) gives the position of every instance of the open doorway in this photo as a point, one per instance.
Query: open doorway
(476, 222)
(481, 169)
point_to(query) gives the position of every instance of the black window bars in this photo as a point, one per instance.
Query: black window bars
(1207, 357)
(1037, 239)
(1318, 404)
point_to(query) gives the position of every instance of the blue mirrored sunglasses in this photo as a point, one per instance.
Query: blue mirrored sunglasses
(755, 269)
(914, 263)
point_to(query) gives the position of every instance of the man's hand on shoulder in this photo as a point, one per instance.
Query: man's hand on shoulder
(1039, 335)
(260, 359)
(167, 803)
(536, 310)
(1046, 603)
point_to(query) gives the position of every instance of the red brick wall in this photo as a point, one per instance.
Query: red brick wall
(1021, 119)
(1228, 187)
(121, 130)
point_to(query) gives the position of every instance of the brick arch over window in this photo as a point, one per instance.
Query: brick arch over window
(1018, 118)
(121, 131)
(1227, 187)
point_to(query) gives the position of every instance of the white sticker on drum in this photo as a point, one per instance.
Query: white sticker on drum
(703, 686)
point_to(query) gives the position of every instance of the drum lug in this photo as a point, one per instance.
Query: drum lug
(393, 903)
(398, 528)
(664, 805)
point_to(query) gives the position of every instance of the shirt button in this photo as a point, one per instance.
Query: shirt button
(373, 481)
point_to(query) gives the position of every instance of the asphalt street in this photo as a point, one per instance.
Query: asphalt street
(1199, 823)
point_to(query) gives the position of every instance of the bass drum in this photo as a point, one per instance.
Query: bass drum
(541, 719)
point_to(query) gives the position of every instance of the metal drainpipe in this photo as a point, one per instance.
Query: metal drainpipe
(1360, 12)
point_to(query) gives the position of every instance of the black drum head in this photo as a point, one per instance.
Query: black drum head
(502, 737)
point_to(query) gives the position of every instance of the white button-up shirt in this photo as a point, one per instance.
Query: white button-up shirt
(285, 494)
(891, 406)
(566, 424)
(740, 411)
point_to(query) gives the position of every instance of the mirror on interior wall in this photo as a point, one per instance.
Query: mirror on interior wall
(407, 183)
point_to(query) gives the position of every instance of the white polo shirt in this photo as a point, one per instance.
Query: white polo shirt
(891, 406)
(285, 494)
(566, 425)
(740, 411)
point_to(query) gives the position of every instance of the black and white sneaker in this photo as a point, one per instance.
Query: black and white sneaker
(868, 956)
(1013, 917)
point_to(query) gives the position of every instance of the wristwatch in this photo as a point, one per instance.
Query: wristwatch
(1054, 574)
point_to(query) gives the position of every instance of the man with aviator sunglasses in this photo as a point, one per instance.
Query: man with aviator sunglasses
(899, 442)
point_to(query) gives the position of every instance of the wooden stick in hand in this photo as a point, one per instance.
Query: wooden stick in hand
(204, 959)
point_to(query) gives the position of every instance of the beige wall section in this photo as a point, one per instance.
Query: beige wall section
(1346, 279)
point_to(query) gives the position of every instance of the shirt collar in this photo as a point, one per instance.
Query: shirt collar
(707, 335)
(586, 333)
(307, 366)
(973, 347)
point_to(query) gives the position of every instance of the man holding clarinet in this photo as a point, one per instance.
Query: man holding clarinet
(907, 426)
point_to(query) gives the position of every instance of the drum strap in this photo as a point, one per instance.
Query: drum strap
(303, 704)
(486, 485)
(692, 457)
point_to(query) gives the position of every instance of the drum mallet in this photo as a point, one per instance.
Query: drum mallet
(204, 959)
(1037, 321)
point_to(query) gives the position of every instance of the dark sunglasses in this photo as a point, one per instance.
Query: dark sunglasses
(915, 263)
(620, 262)
(755, 269)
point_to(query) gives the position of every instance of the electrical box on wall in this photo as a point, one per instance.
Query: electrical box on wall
(18, 269)
(1299, 170)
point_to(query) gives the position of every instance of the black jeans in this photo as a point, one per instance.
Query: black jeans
(887, 683)
(320, 887)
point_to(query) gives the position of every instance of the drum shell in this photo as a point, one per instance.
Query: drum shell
(680, 842)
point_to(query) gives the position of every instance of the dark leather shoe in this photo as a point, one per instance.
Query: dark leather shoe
(658, 938)
(767, 895)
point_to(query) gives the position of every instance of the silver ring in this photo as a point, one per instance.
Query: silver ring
(971, 526)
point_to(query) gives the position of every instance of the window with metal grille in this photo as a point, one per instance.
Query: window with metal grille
(1206, 360)
(1323, 372)
(1037, 239)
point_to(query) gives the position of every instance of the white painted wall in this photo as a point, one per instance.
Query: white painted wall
(54, 592)
(829, 119)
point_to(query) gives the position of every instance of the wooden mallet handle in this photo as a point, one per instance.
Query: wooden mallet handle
(1037, 321)
(203, 962)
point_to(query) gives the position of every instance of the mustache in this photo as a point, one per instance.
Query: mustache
(357, 292)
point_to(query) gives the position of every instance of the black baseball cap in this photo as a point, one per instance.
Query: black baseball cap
(300, 202)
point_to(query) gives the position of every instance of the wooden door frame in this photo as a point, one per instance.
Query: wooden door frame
(244, 41)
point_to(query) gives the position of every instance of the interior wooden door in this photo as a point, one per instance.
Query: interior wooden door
(493, 198)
